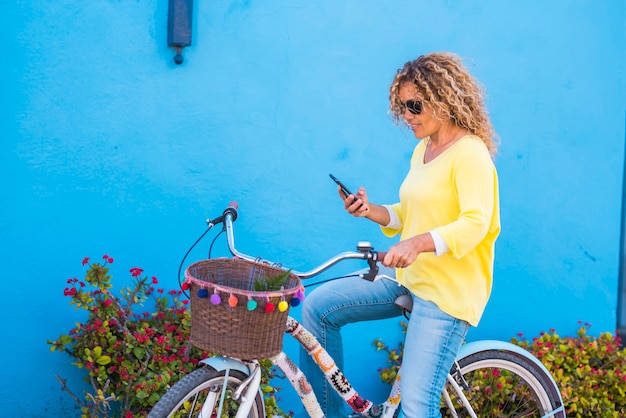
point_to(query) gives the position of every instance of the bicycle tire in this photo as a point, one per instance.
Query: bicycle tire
(503, 384)
(186, 397)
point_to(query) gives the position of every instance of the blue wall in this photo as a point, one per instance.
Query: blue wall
(109, 147)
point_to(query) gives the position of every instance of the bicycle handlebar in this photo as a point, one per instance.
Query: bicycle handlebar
(365, 251)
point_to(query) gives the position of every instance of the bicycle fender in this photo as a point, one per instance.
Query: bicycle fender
(486, 345)
(220, 363)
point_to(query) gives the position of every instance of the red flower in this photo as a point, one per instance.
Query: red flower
(85, 260)
(107, 302)
(136, 271)
(69, 292)
(155, 280)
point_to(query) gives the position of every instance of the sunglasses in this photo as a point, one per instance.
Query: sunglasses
(413, 106)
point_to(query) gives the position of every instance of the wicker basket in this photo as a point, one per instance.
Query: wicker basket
(229, 327)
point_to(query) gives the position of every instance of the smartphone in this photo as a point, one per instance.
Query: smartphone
(343, 187)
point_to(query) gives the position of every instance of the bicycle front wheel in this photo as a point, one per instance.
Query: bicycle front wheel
(202, 394)
(503, 384)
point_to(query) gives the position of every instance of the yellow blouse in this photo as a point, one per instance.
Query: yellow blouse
(456, 194)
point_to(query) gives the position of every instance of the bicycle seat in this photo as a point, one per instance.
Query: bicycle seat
(404, 302)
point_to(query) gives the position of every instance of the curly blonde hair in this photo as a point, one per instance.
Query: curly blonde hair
(450, 90)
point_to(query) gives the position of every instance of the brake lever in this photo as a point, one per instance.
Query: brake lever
(373, 272)
(372, 262)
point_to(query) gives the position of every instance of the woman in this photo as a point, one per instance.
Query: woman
(448, 220)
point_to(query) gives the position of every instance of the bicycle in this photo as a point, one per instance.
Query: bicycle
(488, 379)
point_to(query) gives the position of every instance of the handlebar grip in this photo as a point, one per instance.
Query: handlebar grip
(232, 209)
(380, 255)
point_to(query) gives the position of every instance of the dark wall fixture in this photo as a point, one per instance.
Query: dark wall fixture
(179, 19)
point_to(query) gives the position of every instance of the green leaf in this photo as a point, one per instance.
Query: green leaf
(153, 399)
(65, 339)
(271, 282)
(165, 378)
(139, 352)
(103, 360)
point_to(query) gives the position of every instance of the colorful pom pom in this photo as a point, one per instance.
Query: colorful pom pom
(270, 307)
(252, 304)
(232, 301)
(203, 293)
(300, 295)
(295, 302)
(185, 286)
(215, 299)
(283, 306)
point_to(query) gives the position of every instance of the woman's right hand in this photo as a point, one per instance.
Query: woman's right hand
(356, 205)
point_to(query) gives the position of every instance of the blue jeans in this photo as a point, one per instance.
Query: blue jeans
(432, 340)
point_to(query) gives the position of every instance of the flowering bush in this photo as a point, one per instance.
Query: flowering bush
(589, 371)
(131, 358)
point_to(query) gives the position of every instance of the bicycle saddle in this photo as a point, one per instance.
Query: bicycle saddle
(404, 302)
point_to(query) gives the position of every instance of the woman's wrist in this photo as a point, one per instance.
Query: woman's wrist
(378, 214)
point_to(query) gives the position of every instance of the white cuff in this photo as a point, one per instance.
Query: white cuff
(440, 245)
(394, 220)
